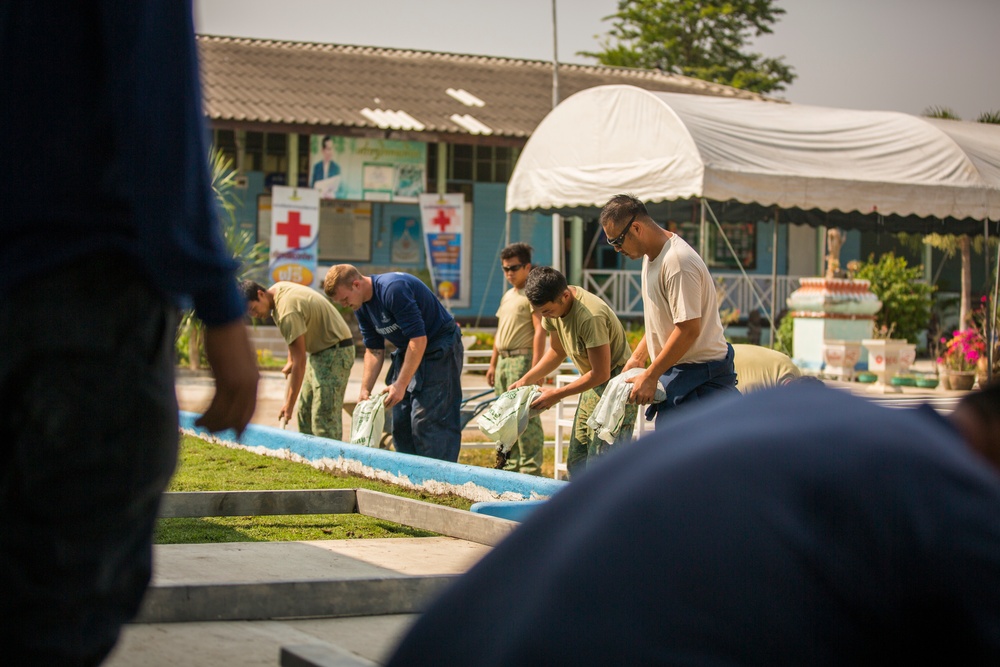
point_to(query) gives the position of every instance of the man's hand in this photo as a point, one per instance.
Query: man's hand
(286, 413)
(394, 394)
(491, 375)
(363, 395)
(546, 399)
(643, 388)
(234, 365)
(632, 363)
(516, 385)
(287, 368)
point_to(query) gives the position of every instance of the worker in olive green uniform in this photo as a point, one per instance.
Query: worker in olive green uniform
(583, 327)
(519, 343)
(320, 352)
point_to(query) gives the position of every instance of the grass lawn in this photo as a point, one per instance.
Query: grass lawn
(206, 466)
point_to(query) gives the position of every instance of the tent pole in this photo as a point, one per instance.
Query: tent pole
(506, 231)
(774, 273)
(703, 233)
(991, 309)
(753, 286)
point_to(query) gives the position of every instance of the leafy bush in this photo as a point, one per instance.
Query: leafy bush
(906, 298)
(783, 335)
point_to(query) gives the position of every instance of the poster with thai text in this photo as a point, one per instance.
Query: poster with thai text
(448, 247)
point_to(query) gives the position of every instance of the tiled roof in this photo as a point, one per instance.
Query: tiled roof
(315, 88)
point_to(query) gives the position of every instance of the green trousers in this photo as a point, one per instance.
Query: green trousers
(526, 454)
(584, 445)
(321, 400)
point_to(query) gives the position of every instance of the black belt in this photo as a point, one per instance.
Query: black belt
(347, 342)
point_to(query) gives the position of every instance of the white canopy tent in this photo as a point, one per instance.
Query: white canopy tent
(669, 146)
(819, 166)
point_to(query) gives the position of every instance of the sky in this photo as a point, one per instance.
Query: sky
(896, 55)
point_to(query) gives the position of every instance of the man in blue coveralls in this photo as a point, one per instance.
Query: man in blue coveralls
(424, 382)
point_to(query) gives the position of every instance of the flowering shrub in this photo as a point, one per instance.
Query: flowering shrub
(962, 350)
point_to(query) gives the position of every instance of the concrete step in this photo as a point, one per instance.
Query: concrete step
(274, 580)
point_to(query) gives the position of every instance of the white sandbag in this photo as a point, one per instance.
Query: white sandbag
(505, 420)
(368, 421)
(609, 413)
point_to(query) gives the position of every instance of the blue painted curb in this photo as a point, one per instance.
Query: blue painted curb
(418, 471)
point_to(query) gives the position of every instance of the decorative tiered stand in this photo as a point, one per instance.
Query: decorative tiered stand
(832, 316)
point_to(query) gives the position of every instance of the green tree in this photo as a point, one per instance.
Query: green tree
(704, 39)
(906, 299)
(240, 245)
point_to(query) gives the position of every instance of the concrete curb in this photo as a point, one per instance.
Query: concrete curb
(414, 472)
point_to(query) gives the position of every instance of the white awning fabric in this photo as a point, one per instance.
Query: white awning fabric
(668, 146)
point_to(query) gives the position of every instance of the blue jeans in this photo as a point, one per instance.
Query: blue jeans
(90, 442)
(691, 382)
(428, 420)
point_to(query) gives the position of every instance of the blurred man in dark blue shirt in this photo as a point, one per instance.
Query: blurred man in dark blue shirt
(796, 526)
(108, 224)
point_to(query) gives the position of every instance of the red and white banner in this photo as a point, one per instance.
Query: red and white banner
(294, 234)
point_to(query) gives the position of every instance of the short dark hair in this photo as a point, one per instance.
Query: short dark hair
(249, 289)
(622, 208)
(544, 285)
(985, 402)
(326, 139)
(519, 251)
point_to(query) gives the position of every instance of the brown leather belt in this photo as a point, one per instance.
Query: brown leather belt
(521, 351)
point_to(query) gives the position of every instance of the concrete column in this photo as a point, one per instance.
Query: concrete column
(293, 159)
(557, 242)
(442, 175)
(576, 252)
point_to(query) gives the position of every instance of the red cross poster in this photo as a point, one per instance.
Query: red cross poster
(446, 241)
(294, 234)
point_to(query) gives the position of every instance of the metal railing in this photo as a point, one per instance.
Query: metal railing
(622, 290)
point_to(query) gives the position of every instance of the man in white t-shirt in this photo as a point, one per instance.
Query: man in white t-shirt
(684, 336)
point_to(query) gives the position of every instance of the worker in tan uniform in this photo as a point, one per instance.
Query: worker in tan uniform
(320, 352)
(519, 343)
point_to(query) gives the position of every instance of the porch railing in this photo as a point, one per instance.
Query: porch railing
(622, 290)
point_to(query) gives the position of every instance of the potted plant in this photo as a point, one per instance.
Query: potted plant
(960, 356)
(887, 357)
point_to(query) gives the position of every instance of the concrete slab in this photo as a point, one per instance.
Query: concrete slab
(274, 580)
(254, 643)
(254, 562)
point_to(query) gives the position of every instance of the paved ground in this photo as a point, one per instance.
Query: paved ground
(194, 391)
(369, 638)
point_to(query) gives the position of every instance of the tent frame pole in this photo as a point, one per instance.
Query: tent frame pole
(774, 273)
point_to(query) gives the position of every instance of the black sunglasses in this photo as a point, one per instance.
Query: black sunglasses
(617, 241)
(512, 268)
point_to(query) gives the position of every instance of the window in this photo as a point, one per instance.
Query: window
(276, 153)
(462, 165)
(482, 164)
(225, 140)
(253, 154)
(741, 235)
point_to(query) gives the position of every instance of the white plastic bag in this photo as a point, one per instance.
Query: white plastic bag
(609, 413)
(505, 420)
(368, 421)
